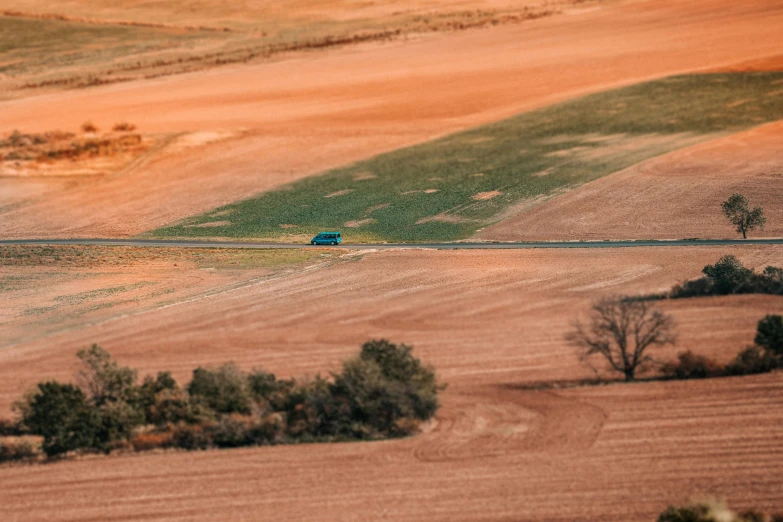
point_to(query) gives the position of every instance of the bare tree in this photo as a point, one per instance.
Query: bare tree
(737, 210)
(621, 331)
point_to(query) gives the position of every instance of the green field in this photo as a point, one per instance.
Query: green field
(448, 188)
(35, 45)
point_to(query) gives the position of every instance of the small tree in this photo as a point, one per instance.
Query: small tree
(103, 379)
(621, 331)
(769, 334)
(737, 210)
(62, 415)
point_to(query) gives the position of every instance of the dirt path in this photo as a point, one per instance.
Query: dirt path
(316, 111)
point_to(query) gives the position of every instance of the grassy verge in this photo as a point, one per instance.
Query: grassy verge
(448, 188)
(77, 256)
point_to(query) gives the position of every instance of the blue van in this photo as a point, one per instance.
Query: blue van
(327, 238)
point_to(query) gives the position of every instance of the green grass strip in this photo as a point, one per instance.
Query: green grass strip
(448, 188)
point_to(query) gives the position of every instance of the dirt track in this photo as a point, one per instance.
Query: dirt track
(674, 196)
(488, 321)
(314, 111)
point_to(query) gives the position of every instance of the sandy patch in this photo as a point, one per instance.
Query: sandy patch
(288, 225)
(483, 196)
(373, 208)
(210, 224)
(362, 176)
(359, 223)
(339, 193)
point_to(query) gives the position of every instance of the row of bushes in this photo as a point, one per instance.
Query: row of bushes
(730, 276)
(764, 356)
(711, 511)
(383, 392)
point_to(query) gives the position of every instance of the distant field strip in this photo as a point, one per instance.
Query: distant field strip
(448, 188)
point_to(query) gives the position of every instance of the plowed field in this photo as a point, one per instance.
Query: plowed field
(491, 323)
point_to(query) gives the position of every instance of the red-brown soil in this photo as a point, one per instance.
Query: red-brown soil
(678, 195)
(489, 322)
(302, 115)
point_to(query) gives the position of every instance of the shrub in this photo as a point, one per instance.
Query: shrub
(265, 388)
(377, 390)
(729, 276)
(191, 437)
(711, 511)
(123, 126)
(691, 366)
(223, 390)
(88, 126)
(769, 334)
(104, 379)
(61, 414)
(9, 427)
(175, 406)
(152, 440)
(232, 431)
(752, 360)
(116, 423)
(15, 449)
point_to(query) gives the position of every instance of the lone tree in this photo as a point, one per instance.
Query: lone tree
(621, 331)
(769, 334)
(737, 210)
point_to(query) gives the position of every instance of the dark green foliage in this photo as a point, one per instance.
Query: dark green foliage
(737, 210)
(61, 414)
(769, 334)
(752, 360)
(176, 406)
(384, 392)
(712, 512)
(692, 513)
(105, 380)
(266, 389)
(691, 366)
(425, 192)
(191, 437)
(729, 276)
(224, 390)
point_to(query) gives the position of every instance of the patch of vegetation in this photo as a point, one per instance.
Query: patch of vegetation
(383, 392)
(77, 256)
(729, 276)
(764, 356)
(35, 45)
(712, 511)
(57, 145)
(448, 188)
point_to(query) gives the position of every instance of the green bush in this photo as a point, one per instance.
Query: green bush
(191, 437)
(384, 392)
(729, 276)
(61, 414)
(267, 390)
(105, 380)
(175, 406)
(691, 366)
(753, 360)
(711, 511)
(769, 334)
(223, 390)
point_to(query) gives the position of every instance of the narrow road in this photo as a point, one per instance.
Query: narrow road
(377, 246)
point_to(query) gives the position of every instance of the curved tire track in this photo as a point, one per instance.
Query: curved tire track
(500, 421)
